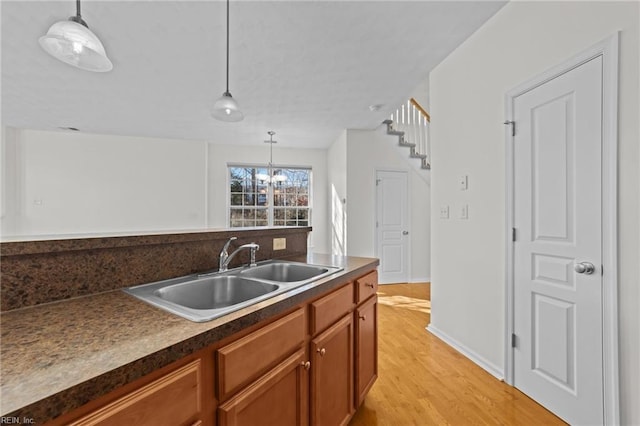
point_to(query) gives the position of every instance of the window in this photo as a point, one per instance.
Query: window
(257, 199)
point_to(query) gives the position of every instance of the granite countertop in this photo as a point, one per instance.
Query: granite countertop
(58, 356)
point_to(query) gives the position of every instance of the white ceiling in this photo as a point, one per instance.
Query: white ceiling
(306, 69)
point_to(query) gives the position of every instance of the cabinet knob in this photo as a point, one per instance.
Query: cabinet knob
(306, 365)
(363, 317)
(321, 351)
(369, 285)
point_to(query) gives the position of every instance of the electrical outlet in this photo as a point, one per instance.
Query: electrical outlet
(279, 243)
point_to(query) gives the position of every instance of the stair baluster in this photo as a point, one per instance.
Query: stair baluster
(410, 123)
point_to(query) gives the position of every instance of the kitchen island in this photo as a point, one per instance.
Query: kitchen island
(87, 351)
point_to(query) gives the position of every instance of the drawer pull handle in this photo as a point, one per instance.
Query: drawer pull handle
(306, 365)
(321, 351)
(369, 285)
(363, 317)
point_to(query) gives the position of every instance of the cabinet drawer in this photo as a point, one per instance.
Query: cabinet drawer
(247, 358)
(173, 399)
(330, 308)
(366, 286)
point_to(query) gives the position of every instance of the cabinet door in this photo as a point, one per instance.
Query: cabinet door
(366, 347)
(279, 398)
(332, 375)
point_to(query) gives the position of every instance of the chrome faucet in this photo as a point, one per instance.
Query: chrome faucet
(225, 257)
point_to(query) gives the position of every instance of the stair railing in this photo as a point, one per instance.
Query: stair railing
(412, 119)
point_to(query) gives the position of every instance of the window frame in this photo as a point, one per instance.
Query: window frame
(271, 208)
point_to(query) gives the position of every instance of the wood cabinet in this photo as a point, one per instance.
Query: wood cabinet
(366, 365)
(330, 308)
(174, 399)
(278, 398)
(366, 286)
(312, 365)
(246, 359)
(332, 375)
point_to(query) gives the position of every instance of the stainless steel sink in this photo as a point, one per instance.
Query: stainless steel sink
(214, 292)
(204, 297)
(285, 272)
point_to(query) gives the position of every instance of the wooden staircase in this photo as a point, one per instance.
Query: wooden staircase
(410, 123)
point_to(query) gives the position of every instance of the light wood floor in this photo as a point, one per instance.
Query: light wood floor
(423, 381)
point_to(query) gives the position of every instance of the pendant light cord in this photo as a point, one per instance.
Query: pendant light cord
(78, 9)
(227, 45)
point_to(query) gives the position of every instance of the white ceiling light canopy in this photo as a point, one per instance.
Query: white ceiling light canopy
(226, 108)
(73, 43)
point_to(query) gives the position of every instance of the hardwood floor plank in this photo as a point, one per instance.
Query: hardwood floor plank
(423, 381)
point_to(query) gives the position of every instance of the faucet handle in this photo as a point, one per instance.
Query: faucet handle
(226, 245)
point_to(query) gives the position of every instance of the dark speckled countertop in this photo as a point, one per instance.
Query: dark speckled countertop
(58, 356)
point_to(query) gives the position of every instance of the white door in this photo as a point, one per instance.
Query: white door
(392, 233)
(558, 220)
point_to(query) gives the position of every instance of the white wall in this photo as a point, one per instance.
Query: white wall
(70, 183)
(467, 101)
(337, 192)
(368, 150)
(221, 155)
(58, 183)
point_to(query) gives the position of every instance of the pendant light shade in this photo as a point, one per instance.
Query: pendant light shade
(72, 42)
(226, 108)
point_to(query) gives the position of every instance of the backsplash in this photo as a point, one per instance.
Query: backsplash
(36, 272)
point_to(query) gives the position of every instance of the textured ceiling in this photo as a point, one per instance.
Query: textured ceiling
(306, 69)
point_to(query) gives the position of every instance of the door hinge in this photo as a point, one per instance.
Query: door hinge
(376, 223)
(513, 340)
(378, 182)
(513, 234)
(513, 126)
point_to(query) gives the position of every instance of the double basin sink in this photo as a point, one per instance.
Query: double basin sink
(204, 297)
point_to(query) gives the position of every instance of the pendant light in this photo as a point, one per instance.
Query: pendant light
(72, 42)
(272, 176)
(226, 108)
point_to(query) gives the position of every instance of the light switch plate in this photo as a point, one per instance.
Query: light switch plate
(279, 243)
(444, 212)
(464, 212)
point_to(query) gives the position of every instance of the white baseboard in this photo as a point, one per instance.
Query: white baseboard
(488, 366)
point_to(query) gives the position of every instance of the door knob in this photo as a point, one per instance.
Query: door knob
(584, 268)
(405, 232)
(321, 351)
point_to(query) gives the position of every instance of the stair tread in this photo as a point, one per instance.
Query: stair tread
(425, 165)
